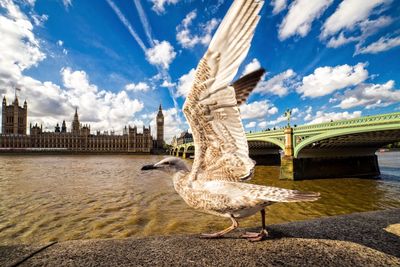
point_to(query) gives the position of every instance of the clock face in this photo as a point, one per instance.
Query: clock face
(160, 120)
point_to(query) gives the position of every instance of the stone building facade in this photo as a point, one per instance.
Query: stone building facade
(79, 139)
(14, 117)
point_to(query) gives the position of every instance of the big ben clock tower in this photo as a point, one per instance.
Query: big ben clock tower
(160, 128)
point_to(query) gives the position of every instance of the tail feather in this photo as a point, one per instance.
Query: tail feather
(286, 195)
(298, 196)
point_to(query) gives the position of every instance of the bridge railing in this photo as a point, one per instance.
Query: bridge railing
(362, 121)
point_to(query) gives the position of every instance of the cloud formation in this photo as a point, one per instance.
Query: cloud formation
(257, 109)
(278, 6)
(185, 83)
(383, 44)
(278, 85)
(162, 54)
(321, 116)
(326, 80)
(301, 15)
(252, 66)
(370, 96)
(159, 5)
(348, 14)
(141, 86)
(189, 40)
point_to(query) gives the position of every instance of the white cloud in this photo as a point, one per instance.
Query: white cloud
(300, 17)
(272, 110)
(168, 84)
(359, 32)
(326, 80)
(30, 2)
(60, 43)
(141, 86)
(251, 124)
(308, 114)
(185, 83)
(348, 14)
(277, 121)
(103, 109)
(262, 124)
(252, 66)
(277, 85)
(189, 40)
(370, 96)
(341, 40)
(257, 109)
(279, 5)
(321, 116)
(383, 44)
(39, 20)
(158, 5)
(67, 3)
(162, 54)
(20, 49)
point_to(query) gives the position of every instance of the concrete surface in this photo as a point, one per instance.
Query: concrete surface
(351, 240)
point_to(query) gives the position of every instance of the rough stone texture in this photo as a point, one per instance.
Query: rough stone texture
(350, 240)
(9, 255)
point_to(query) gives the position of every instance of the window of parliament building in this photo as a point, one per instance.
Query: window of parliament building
(14, 137)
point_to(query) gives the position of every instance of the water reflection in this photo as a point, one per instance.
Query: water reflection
(49, 198)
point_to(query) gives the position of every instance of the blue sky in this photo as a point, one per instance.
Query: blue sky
(117, 60)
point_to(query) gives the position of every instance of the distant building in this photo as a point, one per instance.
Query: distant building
(160, 128)
(184, 138)
(80, 139)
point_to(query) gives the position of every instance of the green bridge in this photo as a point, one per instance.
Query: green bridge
(344, 148)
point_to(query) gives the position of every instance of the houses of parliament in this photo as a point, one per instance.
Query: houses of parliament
(14, 137)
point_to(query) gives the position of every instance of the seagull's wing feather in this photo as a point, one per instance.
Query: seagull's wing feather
(246, 84)
(211, 106)
(252, 194)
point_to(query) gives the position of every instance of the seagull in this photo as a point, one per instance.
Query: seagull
(215, 184)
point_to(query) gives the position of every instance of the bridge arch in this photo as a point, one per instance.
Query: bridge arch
(180, 151)
(343, 132)
(268, 140)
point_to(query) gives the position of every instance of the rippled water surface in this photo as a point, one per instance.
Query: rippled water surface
(53, 198)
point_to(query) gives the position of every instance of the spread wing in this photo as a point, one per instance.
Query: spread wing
(211, 107)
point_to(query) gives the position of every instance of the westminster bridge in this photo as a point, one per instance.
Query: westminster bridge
(344, 148)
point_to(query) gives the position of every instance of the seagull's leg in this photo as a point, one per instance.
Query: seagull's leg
(258, 236)
(234, 225)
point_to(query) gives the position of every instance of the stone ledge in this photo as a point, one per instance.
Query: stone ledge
(357, 239)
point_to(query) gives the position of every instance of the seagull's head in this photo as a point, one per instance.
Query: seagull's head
(170, 164)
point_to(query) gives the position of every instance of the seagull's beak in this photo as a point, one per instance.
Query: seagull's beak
(148, 167)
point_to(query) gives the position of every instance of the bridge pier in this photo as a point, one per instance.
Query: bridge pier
(287, 171)
(329, 167)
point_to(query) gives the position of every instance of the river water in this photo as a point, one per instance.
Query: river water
(55, 198)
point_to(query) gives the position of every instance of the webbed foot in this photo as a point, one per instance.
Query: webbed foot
(254, 237)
